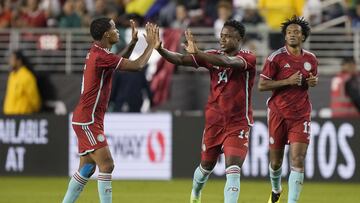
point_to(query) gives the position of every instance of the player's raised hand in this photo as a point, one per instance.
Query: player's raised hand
(151, 32)
(190, 45)
(134, 31)
(295, 79)
(158, 42)
(312, 80)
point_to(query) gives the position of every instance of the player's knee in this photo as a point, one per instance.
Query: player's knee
(87, 170)
(209, 166)
(276, 164)
(298, 161)
(107, 167)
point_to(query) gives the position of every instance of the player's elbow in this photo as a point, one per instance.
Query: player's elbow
(262, 86)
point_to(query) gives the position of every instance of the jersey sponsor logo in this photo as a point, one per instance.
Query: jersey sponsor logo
(222, 77)
(307, 66)
(287, 65)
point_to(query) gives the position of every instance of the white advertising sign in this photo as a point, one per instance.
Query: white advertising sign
(141, 145)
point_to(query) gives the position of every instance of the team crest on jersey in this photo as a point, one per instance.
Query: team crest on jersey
(307, 66)
(100, 138)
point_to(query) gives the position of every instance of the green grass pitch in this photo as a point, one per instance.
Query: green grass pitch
(51, 190)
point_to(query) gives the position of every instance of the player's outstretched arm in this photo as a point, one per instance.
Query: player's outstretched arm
(173, 57)
(127, 51)
(137, 64)
(269, 85)
(214, 59)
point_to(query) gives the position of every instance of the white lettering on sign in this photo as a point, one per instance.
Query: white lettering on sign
(15, 159)
(327, 144)
(25, 131)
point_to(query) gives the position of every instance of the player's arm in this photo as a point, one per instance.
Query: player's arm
(127, 51)
(137, 64)
(173, 57)
(216, 60)
(267, 84)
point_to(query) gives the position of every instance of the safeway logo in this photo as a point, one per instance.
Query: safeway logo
(156, 146)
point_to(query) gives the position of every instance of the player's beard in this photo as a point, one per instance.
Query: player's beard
(293, 43)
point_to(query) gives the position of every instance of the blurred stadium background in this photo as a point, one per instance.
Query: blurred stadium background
(157, 148)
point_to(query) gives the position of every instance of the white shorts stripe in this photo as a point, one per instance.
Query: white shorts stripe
(91, 134)
(88, 135)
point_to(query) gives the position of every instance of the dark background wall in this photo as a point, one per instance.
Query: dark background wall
(189, 91)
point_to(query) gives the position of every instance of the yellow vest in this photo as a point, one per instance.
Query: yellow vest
(139, 7)
(22, 93)
(276, 12)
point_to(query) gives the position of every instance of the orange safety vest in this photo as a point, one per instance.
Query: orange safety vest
(341, 104)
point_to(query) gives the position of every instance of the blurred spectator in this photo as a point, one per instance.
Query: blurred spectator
(5, 14)
(276, 12)
(313, 12)
(30, 15)
(345, 91)
(22, 93)
(334, 11)
(209, 7)
(153, 11)
(69, 17)
(182, 20)
(166, 15)
(240, 6)
(129, 91)
(355, 16)
(224, 11)
(83, 13)
(100, 9)
(52, 10)
(251, 16)
(139, 7)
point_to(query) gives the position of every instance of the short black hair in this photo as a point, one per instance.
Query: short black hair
(98, 27)
(305, 27)
(240, 28)
(24, 59)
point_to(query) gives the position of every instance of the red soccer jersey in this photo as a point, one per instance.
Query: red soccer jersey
(230, 88)
(96, 86)
(290, 101)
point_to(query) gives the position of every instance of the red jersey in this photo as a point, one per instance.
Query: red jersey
(230, 88)
(290, 101)
(96, 86)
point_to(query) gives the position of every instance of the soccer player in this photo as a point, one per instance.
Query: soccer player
(228, 112)
(88, 115)
(288, 73)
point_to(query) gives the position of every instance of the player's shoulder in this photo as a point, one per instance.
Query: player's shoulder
(100, 50)
(277, 54)
(309, 53)
(246, 53)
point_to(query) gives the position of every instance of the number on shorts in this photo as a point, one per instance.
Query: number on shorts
(307, 126)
